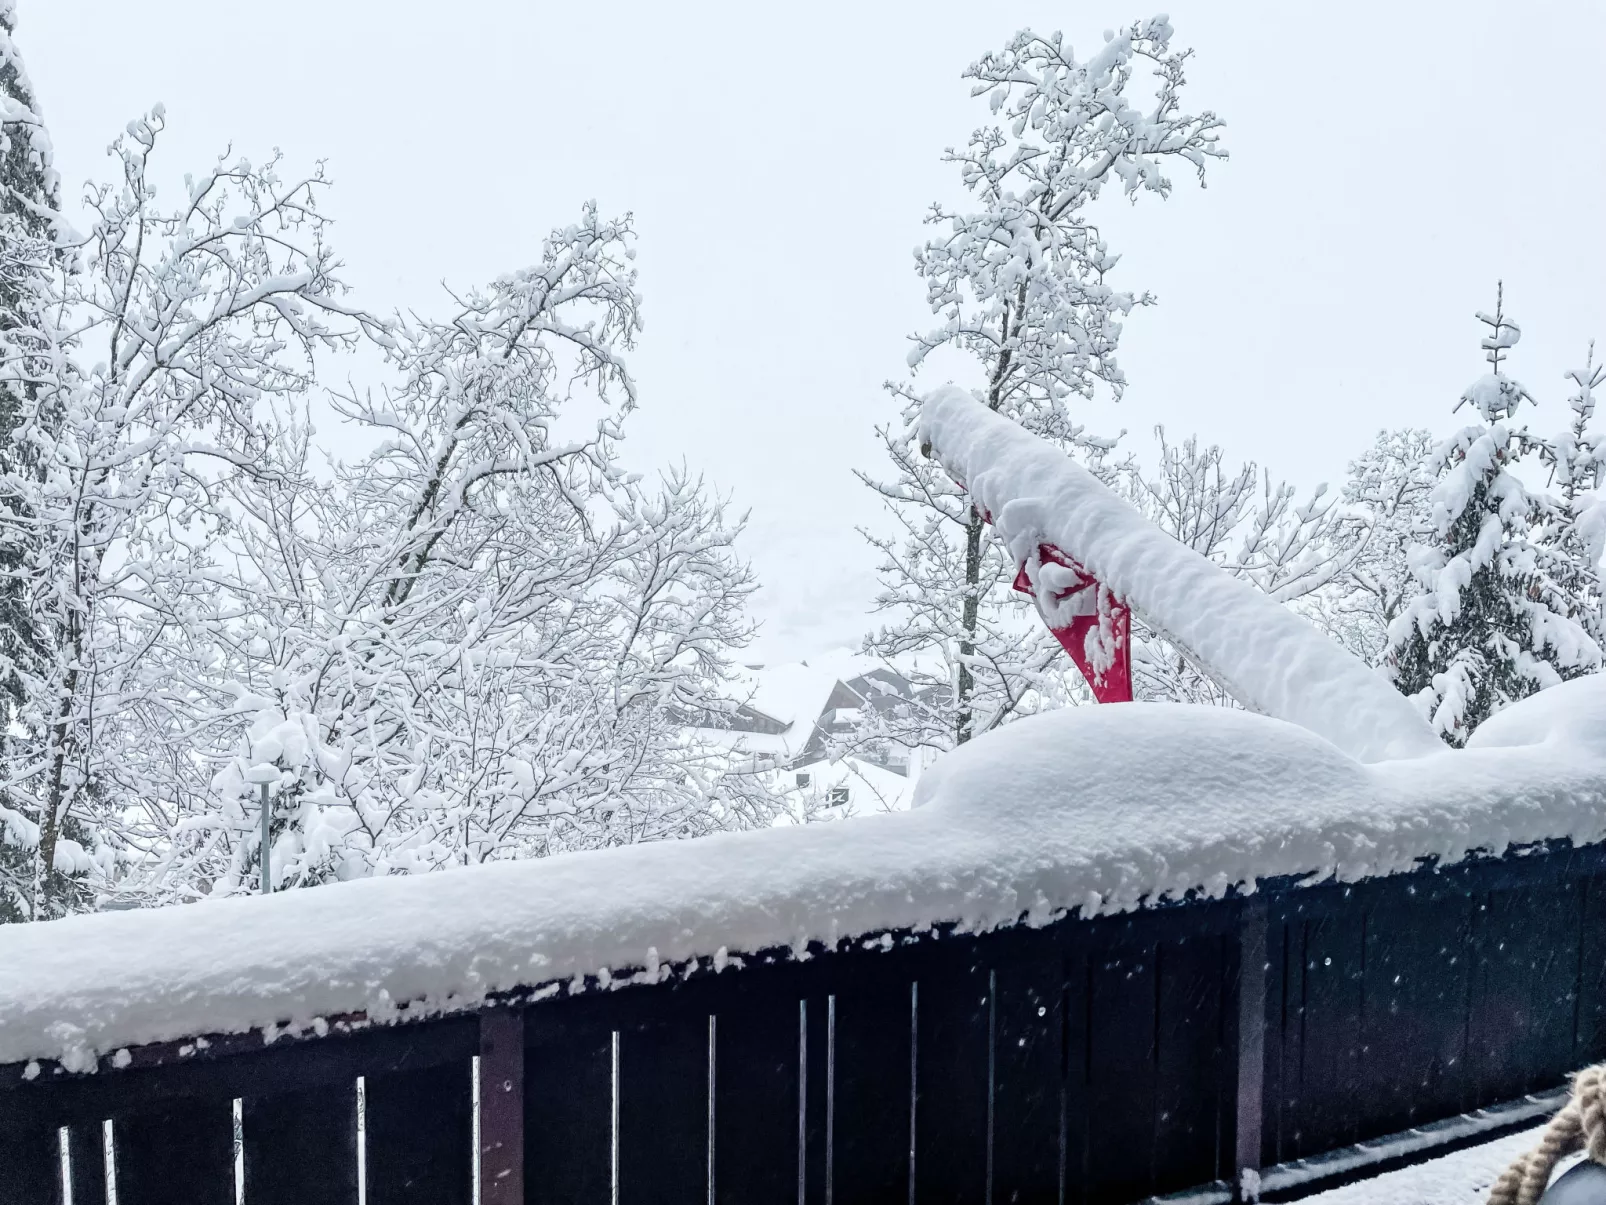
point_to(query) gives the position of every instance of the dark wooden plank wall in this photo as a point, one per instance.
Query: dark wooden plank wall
(1398, 1001)
(1091, 1062)
(172, 1122)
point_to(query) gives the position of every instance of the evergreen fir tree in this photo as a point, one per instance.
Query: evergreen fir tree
(26, 172)
(29, 216)
(1491, 624)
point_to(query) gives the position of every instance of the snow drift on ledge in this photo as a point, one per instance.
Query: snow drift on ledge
(1097, 808)
(1260, 652)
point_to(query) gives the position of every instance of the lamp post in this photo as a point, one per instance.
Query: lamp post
(262, 775)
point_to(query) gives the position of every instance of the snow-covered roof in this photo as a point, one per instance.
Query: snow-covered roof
(871, 788)
(1260, 652)
(798, 691)
(1098, 808)
(795, 694)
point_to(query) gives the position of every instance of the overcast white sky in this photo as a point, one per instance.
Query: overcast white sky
(1389, 161)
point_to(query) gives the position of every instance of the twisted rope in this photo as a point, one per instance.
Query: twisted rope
(1580, 1126)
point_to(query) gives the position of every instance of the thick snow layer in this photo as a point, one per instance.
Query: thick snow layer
(1268, 658)
(1091, 807)
(1463, 1178)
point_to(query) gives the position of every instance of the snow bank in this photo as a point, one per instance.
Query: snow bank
(1092, 807)
(1268, 658)
(1463, 1178)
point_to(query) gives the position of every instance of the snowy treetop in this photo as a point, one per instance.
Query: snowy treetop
(27, 171)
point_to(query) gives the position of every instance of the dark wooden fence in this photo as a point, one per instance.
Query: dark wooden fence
(1102, 1060)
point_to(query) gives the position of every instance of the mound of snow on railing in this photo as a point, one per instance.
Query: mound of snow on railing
(1264, 655)
(1092, 808)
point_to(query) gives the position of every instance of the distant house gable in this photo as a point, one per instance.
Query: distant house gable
(798, 713)
(877, 691)
(745, 718)
(750, 719)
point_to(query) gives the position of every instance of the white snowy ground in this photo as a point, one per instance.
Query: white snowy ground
(1463, 1178)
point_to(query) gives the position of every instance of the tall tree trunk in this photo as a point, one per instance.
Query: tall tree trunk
(965, 686)
(50, 821)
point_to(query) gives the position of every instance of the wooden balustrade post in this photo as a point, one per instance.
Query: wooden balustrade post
(501, 1152)
(1251, 1026)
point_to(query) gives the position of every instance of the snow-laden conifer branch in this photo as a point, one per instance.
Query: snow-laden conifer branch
(1497, 610)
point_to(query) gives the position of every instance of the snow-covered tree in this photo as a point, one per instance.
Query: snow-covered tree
(1385, 510)
(478, 641)
(1250, 527)
(29, 229)
(1018, 283)
(1490, 623)
(1575, 534)
(188, 320)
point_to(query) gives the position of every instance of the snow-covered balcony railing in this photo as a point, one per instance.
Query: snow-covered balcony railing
(1113, 952)
(1033, 980)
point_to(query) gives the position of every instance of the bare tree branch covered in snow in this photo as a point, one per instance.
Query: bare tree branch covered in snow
(1018, 284)
(1575, 530)
(475, 642)
(190, 321)
(1387, 509)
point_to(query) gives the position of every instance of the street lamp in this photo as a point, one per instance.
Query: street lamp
(262, 775)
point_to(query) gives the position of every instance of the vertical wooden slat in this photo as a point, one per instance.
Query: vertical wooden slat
(1589, 1042)
(420, 1136)
(86, 1142)
(568, 1107)
(1520, 1032)
(1412, 1047)
(1028, 1077)
(301, 1147)
(30, 1165)
(756, 1146)
(1497, 1015)
(1331, 1106)
(501, 1151)
(1076, 1136)
(817, 1017)
(1553, 972)
(1122, 1024)
(1277, 1026)
(663, 1112)
(1292, 1108)
(1192, 1076)
(181, 1152)
(953, 1083)
(870, 1131)
(1249, 999)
